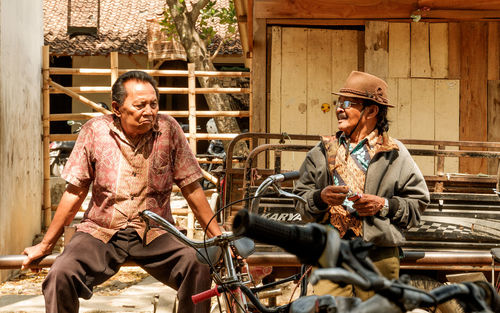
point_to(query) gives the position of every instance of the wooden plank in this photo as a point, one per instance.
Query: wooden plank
(473, 90)
(392, 113)
(377, 48)
(275, 88)
(438, 38)
(293, 89)
(493, 51)
(399, 50)
(422, 119)
(319, 92)
(274, 125)
(446, 116)
(344, 60)
(454, 52)
(259, 78)
(404, 108)
(493, 120)
(420, 57)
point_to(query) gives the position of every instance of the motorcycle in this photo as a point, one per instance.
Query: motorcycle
(58, 155)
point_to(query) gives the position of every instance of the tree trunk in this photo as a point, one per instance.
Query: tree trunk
(198, 54)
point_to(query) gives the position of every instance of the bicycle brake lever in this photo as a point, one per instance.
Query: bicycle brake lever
(289, 194)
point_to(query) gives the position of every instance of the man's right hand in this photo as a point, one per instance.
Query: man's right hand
(334, 195)
(35, 252)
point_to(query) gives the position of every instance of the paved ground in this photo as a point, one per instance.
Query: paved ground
(131, 292)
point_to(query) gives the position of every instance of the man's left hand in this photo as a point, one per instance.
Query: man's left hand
(368, 205)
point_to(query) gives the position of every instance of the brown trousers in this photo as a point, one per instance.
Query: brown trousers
(386, 260)
(87, 262)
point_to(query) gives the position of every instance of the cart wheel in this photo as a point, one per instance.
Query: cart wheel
(427, 283)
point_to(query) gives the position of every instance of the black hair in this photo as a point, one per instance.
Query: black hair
(118, 91)
(382, 121)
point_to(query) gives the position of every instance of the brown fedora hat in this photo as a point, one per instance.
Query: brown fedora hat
(365, 86)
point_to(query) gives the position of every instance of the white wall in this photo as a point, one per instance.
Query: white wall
(21, 39)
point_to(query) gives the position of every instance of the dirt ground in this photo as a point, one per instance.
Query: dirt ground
(30, 283)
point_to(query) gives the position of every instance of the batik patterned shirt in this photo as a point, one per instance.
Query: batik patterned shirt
(128, 178)
(348, 164)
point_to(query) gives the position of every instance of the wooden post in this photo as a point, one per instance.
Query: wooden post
(192, 130)
(114, 66)
(192, 107)
(47, 212)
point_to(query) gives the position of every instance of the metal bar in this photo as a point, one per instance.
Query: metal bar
(456, 153)
(479, 144)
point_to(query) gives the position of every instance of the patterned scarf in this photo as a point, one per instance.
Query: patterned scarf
(348, 166)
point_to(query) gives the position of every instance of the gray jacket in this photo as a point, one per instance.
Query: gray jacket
(392, 175)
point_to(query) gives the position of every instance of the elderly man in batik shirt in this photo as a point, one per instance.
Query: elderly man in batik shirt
(131, 159)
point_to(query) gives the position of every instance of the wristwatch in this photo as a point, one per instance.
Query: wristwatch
(385, 209)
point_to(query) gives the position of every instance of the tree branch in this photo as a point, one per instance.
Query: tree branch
(195, 12)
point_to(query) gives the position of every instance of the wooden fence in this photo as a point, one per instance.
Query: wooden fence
(51, 87)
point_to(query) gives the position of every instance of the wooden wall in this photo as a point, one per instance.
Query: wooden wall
(306, 65)
(443, 80)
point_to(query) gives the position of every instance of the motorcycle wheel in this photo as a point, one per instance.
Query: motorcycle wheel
(56, 169)
(428, 283)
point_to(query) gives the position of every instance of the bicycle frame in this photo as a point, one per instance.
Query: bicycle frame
(228, 278)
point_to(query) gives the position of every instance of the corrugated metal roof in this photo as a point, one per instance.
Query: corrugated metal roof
(122, 26)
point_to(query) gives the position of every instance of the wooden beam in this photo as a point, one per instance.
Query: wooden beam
(168, 73)
(113, 57)
(458, 14)
(327, 9)
(473, 90)
(461, 4)
(314, 22)
(89, 115)
(47, 213)
(76, 96)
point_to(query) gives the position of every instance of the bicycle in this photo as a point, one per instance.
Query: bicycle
(225, 255)
(343, 261)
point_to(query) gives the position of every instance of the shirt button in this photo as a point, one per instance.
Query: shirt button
(134, 174)
(132, 198)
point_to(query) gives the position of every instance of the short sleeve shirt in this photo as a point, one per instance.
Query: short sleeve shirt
(128, 178)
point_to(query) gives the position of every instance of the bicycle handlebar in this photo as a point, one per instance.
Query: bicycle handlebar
(312, 244)
(214, 241)
(306, 242)
(207, 294)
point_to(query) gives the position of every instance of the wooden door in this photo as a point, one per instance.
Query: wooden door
(307, 64)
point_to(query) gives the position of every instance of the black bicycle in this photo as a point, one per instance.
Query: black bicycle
(347, 262)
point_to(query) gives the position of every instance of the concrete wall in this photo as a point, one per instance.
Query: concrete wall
(21, 39)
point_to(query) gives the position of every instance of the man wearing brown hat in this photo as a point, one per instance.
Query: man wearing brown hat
(362, 182)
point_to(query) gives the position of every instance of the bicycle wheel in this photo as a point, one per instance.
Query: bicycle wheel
(427, 283)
